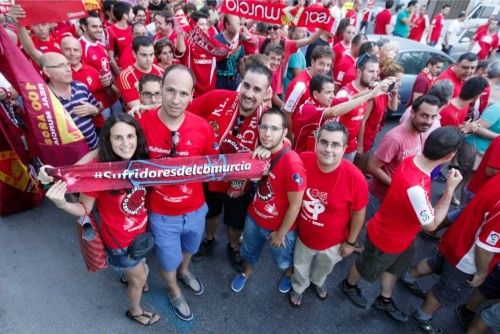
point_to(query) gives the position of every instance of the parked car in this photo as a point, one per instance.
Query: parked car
(413, 57)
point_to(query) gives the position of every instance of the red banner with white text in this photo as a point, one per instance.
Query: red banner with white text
(129, 174)
(315, 16)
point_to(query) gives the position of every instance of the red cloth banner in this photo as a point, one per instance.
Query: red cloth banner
(50, 130)
(314, 16)
(129, 174)
(51, 11)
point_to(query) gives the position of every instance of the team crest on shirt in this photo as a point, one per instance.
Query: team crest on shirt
(297, 179)
(105, 65)
(493, 238)
(314, 203)
(89, 81)
(424, 215)
(133, 202)
(264, 192)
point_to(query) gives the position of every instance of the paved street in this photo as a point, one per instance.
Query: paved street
(44, 288)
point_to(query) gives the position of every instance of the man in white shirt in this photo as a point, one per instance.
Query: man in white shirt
(451, 35)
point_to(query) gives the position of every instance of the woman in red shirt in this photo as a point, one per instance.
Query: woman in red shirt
(123, 212)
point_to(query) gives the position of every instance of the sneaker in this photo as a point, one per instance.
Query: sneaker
(235, 258)
(354, 294)
(391, 309)
(413, 286)
(238, 282)
(426, 325)
(464, 316)
(190, 281)
(285, 284)
(206, 249)
(181, 308)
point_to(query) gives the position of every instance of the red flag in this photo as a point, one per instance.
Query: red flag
(51, 130)
(51, 11)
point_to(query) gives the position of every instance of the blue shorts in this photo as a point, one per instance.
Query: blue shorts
(491, 317)
(119, 260)
(175, 235)
(254, 239)
(454, 214)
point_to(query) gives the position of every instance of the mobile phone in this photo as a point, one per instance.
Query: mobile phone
(391, 87)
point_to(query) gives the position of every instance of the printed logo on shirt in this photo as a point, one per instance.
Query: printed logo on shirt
(493, 238)
(89, 81)
(297, 178)
(314, 204)
(105, 65)
(424, 216)
(133, 202)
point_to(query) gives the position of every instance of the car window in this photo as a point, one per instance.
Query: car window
(467, 35)
(483, 12)
(446, 62)
(412, 61)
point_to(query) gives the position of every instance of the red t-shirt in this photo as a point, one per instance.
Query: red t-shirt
(90, 78)
(438, 26)
(338, 50)
(381, 21)
(490, 159)
(451, 115)
(418, 28)
(221, 109)
(297, 92)
(271, 199)
(328, 203)
(405, 208)
(202, 64)
(423, 82)
(353, 119)
(50, 45)
(352, 15)
(340, 74)
(123, 215)
(449, 74)
(95, 55)
(120, 42)
(196, 138)
(128, 81)
(159, 35)
(375, 121)
(477, 226)
(486, 42)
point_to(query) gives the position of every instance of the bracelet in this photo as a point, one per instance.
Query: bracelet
(350, 244)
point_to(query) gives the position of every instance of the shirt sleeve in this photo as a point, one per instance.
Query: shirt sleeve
(294, 97)
(421, 206)
(489, 238)
(491, 114)
(421, 85)
(128, 92)
(296, 178)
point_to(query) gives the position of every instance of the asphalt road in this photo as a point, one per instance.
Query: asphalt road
(44, 288)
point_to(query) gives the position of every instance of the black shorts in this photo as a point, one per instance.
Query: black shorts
(491, 285)
(451, 280)
(235, 209)
(372, 262)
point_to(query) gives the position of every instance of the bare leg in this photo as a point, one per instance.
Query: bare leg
(247, 269)
(353, 276)
(234, 237)
(211, 227)
(475, 299)
(431, 304)
(170, 278)
(184, 266)
(477, 327)
(387, 282)
(421, 269)
(136, 278)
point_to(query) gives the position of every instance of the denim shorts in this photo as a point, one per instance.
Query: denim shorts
(119, 260)
(491, 317)
(175, 235)
(453, 215)
(254, 239)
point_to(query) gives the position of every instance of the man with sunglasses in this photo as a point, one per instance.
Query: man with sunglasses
(332, 212)
(271, 215)
(177, 212)
(234, 117)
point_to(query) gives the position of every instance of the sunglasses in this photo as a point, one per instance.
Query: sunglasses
(273, 28)
(237, 125)
(175, 138)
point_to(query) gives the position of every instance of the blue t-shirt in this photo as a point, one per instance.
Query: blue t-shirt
(492, 116)
(400, 28)
(296, 61)
(229, 66)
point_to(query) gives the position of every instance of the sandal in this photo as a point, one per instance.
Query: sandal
(151, 318)
(125, 281)
(295, 298)
(321, 292)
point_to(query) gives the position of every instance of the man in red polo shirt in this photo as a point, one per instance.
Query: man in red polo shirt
(120, 37)
(437, 25)
(419, 24)
(469, 250)
(177, 212)
(271, 215)
(426, 77)
(461, 71)
(366, 74)
(94, 52)
(298, 89)
(383, 19)
(487, 40)
(332, 212)
(234, 117)
(347, 62)
(406, 210)
(128, 80)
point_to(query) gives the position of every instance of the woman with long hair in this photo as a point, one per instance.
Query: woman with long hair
(123, 212)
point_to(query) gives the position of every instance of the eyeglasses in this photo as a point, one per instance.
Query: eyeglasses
(273, 28)
(150, 95)
(59, 66)
(237, 125)
(273, 128)
(175, 138)
(334, 145)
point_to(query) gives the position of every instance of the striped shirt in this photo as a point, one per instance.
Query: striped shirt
(80, 93)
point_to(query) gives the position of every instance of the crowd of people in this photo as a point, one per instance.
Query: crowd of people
(311, 102)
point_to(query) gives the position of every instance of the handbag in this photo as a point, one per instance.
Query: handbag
(139, 247)
(91, 245)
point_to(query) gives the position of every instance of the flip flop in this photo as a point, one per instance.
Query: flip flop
(151, 318)
(295, 299)
(320, 290)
